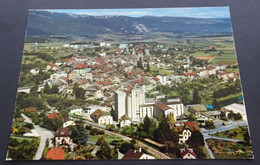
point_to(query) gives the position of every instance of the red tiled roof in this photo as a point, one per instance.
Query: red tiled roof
(190, 74)
(223, 73)
(131, 154)
(30, 109)
(51, 64)
(81, 66)
(52, 116)
(231, 78)
(162, 106)
(62, 132)
(55, 154)
(186, 151)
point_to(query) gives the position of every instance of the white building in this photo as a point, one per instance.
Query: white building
(105, 120)
(68, 123)
(237, 108)
(120, 104)
(164, 79)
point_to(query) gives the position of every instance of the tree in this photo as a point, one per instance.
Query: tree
(34, 89)
(247, 138)
(192, 117)
(164, 133)
(105, 151)
(196, 139)
(79, 92)
(216, 104)
(148, 67)
(79, 134)
(196, 97)
(55, 89)
(125, 146)
(140, 64)
(170, 119)
(210, 124)
(46, 89)
(84, 152)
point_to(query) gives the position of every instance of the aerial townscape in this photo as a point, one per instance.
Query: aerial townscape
(113, 90)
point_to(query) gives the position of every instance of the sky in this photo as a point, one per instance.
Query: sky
(196, 12)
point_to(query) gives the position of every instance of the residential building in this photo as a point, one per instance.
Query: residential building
(187, 153)
(133, 154)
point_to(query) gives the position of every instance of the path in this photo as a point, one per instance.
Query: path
(45, 135)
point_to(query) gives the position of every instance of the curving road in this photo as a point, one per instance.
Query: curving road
(45, 135)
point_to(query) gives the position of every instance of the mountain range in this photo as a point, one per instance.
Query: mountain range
(51, 23)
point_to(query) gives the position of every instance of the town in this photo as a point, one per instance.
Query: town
(88, 100)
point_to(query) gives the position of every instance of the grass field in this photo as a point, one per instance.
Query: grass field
(108, 138)
(236, 133)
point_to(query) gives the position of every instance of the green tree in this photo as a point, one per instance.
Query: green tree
(55, 89)
(34, 89)
(210, 124)
(79, 134)
(148, 67)
(196, 139)
(196, 97)
(192, 117)
(79, 92)
(105, 151)
(164, 133)
(46, 89)
(247, 138)
(216, 104)
(170, 119)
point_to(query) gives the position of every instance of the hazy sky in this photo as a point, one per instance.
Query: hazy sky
(196, 12)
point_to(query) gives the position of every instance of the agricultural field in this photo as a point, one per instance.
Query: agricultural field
(236, 133)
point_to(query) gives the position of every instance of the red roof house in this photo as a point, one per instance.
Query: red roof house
(55, 154)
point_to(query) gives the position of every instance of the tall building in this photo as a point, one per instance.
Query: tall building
(120, 104)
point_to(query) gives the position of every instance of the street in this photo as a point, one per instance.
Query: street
(45, 135)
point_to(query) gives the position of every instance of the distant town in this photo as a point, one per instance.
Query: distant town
(129, 96)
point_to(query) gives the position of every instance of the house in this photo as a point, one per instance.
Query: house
(51, 66)
(161, 107)
(101, 118)
(89, 76)
(237, 108)
(184, 130)
(68, 123)
(55, 154)
(164, 79)
(52, 116)
(177, 105)
(187, 153)
(124, 121)
(197, 108)
(185, 65)
(30, 109)
(62, 136)
(69, 89)
(133, 154)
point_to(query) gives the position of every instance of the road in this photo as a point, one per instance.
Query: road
(126, 138)
(45, 135)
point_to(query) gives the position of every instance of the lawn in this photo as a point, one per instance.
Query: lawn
(108, 138)
(236, 133)
(231, 96)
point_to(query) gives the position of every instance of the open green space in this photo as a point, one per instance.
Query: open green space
(236, 133)
(108, 138)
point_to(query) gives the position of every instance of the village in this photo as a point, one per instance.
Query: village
(132, 100)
